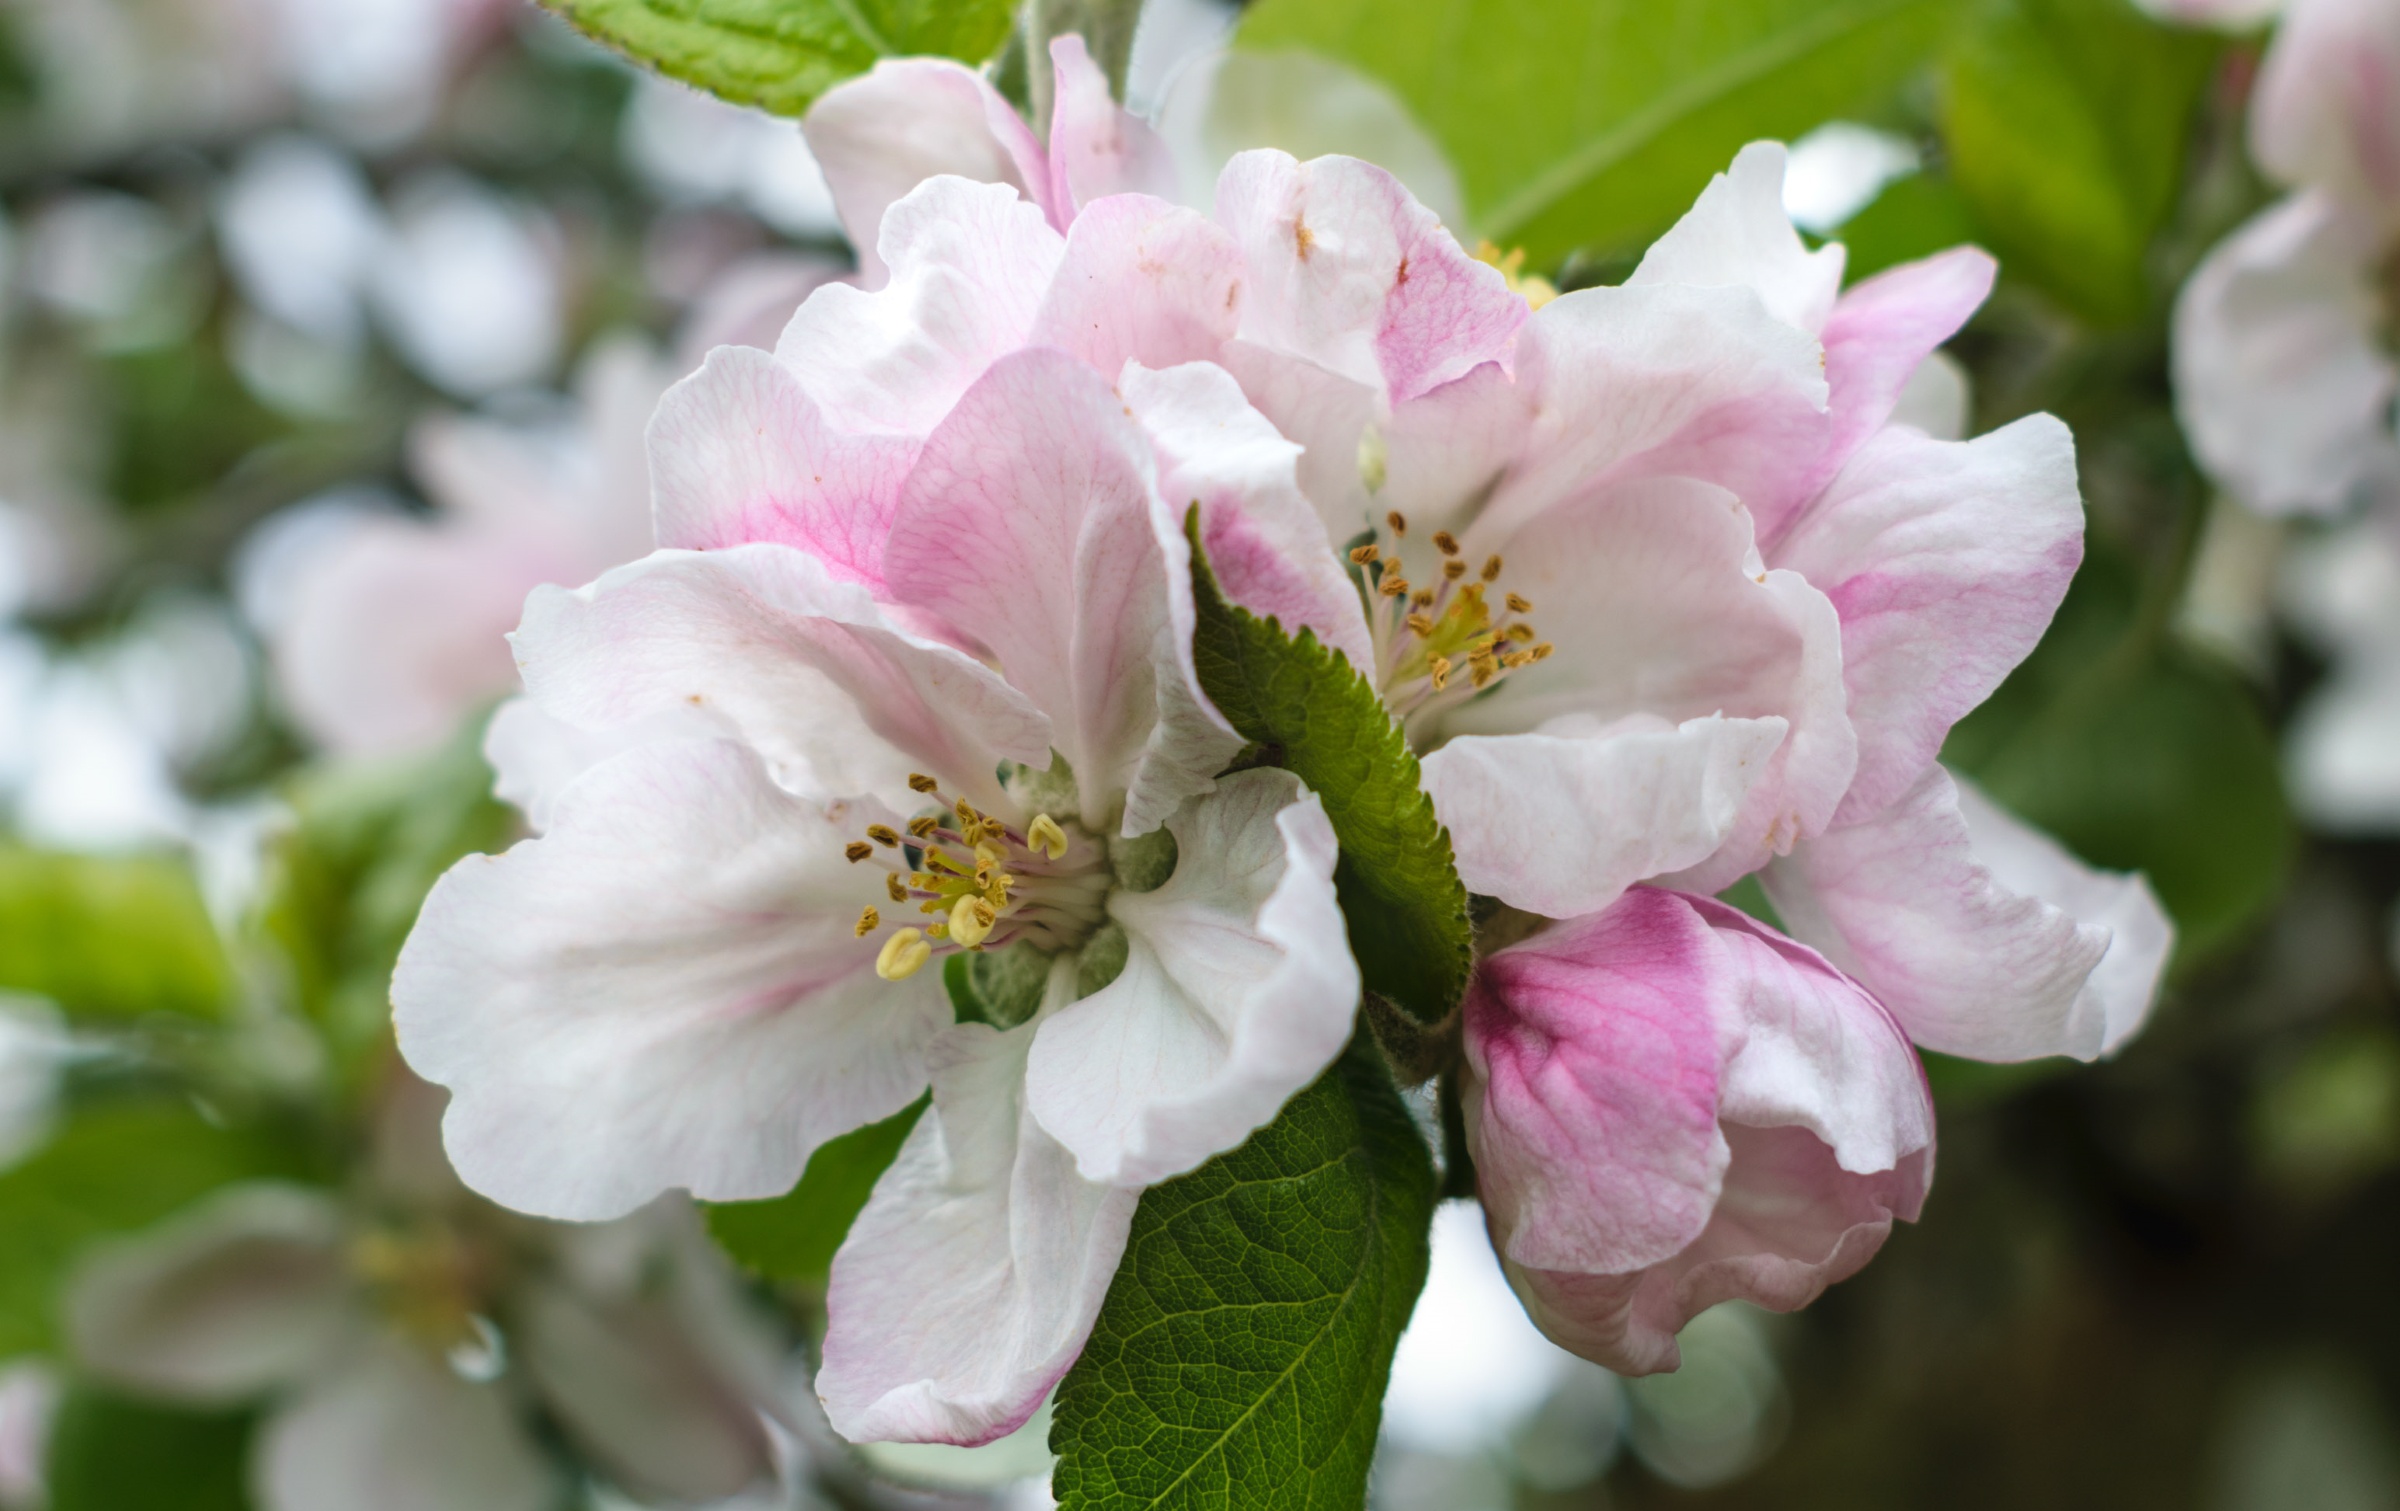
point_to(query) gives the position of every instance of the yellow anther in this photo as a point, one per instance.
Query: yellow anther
(894, 885)
(1519, 632)
(1445, 542)
(988, 854)
(902, 955)
(867, 919)
(1393, 587)
(938, 931)
(1452, 571)
(918, 781)
(923, 825)
(1441, 672)
(966, 813)
(884, 835)
(1422, 598)
(1364, 554)
(971, 921)
(1398, 522)
(1044, 834)
(1518, 603)
(1491, 568)
(1420, 624)
(1515, 659)
(858, 850)
(1542, 651)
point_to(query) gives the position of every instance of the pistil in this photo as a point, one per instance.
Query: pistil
(1438, 646)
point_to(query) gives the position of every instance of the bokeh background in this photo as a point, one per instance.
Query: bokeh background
(291, 285)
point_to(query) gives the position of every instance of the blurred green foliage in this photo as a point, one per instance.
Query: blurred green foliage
(792, 1237)
(112, 1453)
(109, 937)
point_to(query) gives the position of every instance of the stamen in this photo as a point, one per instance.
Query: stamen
(1445, 542)
(858, 850)
(867, 919)
(894, 885)
(918, 781)
(1519, 632)
(1398, 522)
(1452, 571)
(1491, 568)
(1542, 651)
(923, 825)
(1421, 625)
(1363, 555)
(1441, 672)
(902, 955)
(1518, 603)
(971, 921)
(884, 835)
(1392, 587)
(1044, 834)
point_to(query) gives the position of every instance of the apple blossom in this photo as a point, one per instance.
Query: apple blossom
(706, 966)
(400, 1330)
(2284, 375)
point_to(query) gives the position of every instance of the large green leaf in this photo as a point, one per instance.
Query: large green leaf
(2139, 755)
(1590, 123)
(782, 54)
(109, 937)
(110, 1453)
(2066, 123)
(793, 1237)
(1240, 1359)
(112, 1169)
(1308, 711)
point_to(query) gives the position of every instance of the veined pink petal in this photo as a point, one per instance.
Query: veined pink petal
(1595, 1057)
(1142, 281)
(740, 453)
(1032, 524)
(1237, 991)
(1098, 147)
(1655, 597)
(1971, 965)
(2280, 379)
(808, 669)
(968, 1285)
(1945, 561)
(880, 135)
(1266, 545)
(662, 991)
(1349, 271)
(1737, 235)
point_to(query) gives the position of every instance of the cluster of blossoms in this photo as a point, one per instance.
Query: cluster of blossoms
(2286, 373)
(1654, 579)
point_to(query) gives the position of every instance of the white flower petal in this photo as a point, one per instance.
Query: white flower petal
(1237, 992)
(396, 1431)
(1737, 234)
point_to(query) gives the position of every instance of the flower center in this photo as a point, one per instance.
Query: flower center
(987, 883)
(1437, 646)
(430, 1282)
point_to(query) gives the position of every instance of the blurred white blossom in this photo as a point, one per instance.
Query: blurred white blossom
(1837, 170)
(468, 285)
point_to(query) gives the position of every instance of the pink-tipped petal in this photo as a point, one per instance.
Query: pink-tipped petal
(909, 119)
(1142, 281)
(968, 1285)
(1237, 991)
(1032, 524)
(1349, 271)
(741, 454)
(1097, 147)
(662, 991)
(808, 669)
(1879, 336)
(1945, 561)
(2326, 111)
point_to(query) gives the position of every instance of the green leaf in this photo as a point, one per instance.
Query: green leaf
(112, 1453)
(109, 937)
(346, 882)
(781, 54)
(113, 1169)
(793, 1237)
(2139, 755)
(1920, 215)
(1592, 123)
(2066, 123)
(1240, 1358)
(1309, 712)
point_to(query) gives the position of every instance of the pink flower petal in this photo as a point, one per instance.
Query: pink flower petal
(1736, 235)
(1142, 281)
(1097, 147)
